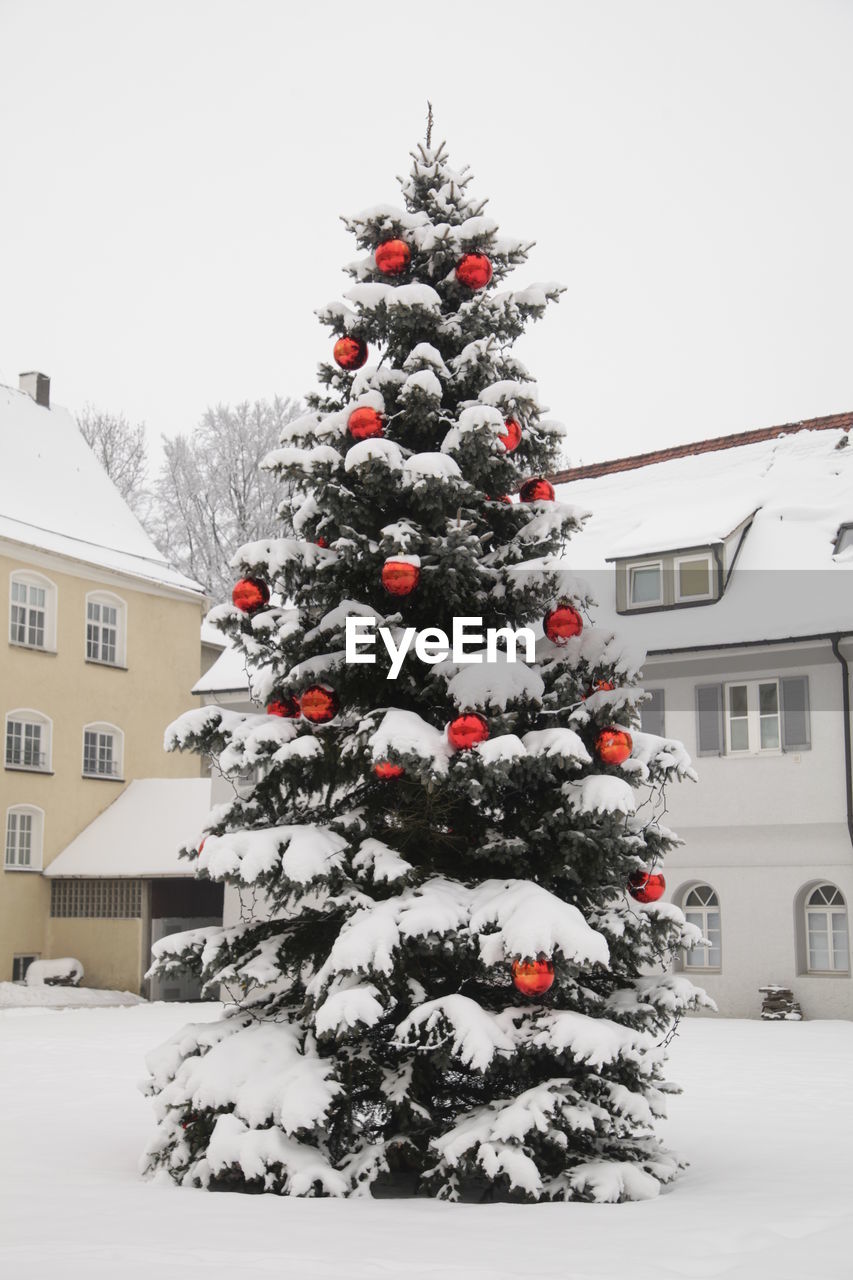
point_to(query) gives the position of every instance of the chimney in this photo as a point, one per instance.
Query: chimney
(36, 385)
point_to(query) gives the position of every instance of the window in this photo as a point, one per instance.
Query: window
(27, 740)
(20, 964)
(826, 931)
(702, 908)
(24, 826)
(32, 611)
(746, 717)
(96, 899)
(693, 578)
(645, 584)
(105, 628)
(752, 717)
(652, 713)
(103, 746)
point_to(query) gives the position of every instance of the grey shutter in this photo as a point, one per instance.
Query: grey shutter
(709, 719)
(651, 713)
(796, 720)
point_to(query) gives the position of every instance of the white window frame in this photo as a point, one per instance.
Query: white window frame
(36, 838)
(112, 602)
(826, 910)
(679, 561)
(101, 727)
(753, 717)
(25, 716)
(29, 579)
(703, 911)
(644, 564)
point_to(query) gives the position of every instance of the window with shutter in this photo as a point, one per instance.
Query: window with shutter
(796, 727)
(709, 719)
(652, 713)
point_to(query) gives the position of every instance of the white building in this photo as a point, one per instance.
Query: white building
(730, 563)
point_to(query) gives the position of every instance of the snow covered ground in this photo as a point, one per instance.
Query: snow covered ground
(766, 1121)
(15, 995)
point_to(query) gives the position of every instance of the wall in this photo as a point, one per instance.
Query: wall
(163, 663)
(110, 951)
(760, 828)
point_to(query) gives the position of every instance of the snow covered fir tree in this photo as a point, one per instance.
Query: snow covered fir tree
(458, 983)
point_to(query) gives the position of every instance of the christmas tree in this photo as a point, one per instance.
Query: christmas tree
(458, 982)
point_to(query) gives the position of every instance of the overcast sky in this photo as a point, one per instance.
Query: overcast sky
(173, 175)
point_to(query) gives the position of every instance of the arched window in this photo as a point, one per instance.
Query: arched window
(106, 631)
(32, 610)
(103, 751)
(24, 833)
(827, 945)
(701, 907)
(28, 740)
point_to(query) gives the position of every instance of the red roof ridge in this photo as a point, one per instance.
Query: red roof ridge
(841, 421)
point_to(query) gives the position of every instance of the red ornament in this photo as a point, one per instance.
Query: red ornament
(287, 706)
(321, 542)
(399, 577)
(536, 490)
(467, 730)
(613, 746)
(200, 846)
(364, 423)
(474, 270)
(319, 704)
(386, 770)
(511, 438)
(602, 686)
(646, 886)
(350, 353)
(562, 623)
(533, 977)
(250, 594)
(392, 257)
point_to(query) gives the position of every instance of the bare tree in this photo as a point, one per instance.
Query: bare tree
(212, 495)
(122, 452)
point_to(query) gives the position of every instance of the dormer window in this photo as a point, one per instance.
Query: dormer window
(844, 539)
(645, 584)
(670, 580)
(694, 578)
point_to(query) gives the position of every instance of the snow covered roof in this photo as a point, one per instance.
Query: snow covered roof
(786, 582)
(211, 635)
(227, 675)
(141, 831)
(55, 496)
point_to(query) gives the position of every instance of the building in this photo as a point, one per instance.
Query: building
(102, 645)
(730, 563)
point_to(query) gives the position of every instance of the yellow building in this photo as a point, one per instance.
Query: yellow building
(102, 647)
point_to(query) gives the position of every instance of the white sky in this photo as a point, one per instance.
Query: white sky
(173, 175)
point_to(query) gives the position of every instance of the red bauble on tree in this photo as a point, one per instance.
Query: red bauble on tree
(286, 706)
(562, 623)
(365, 422)
(474, 270)
(600, 686)
(613, 746)
(385, 770)
(533, 977)
(319, 704)
(392, 257)
(511, 437)
(400, 577)
(321, 542)
(646, 886)
(536, 490)
(467, 730)
(250, 594)
(350, 353)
